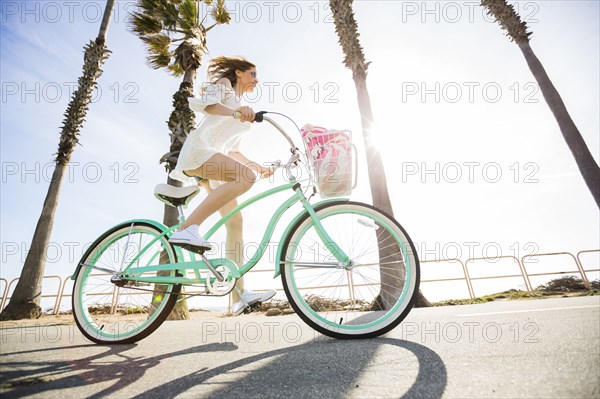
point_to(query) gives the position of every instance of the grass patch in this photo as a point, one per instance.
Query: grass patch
(562, 287)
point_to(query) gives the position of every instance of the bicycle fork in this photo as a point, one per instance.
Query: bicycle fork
(343, 259)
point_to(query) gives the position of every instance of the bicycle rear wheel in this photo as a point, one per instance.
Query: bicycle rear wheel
(112, 311)
(364, 299)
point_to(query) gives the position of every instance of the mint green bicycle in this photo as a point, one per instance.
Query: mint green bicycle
(348, 269)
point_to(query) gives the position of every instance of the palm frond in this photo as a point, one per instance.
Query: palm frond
(149, 6)
(161, 60)
(162, 23)
(157, 43)
(176, 70)
(188, 14)
(220, 14)
(145, 25)
(170, 14)
(160, 10)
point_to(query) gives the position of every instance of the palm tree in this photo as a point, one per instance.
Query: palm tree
(161, 25)
(347, 31)
(25, 301)
(510, 21)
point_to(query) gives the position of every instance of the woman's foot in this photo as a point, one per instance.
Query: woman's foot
(190, 236)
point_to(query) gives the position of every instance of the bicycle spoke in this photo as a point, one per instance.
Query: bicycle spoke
(357, 299)
(108, 313)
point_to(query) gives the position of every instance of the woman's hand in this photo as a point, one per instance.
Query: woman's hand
(246, 114)
(265, 172)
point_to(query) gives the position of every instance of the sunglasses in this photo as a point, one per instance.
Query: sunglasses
(253, 73)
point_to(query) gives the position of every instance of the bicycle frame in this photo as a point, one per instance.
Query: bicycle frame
(133, 272)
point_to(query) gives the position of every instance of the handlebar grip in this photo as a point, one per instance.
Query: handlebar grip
(258, 117)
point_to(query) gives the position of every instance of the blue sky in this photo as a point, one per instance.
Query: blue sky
(475, 161)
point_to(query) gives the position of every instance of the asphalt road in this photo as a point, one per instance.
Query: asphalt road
(546, 348)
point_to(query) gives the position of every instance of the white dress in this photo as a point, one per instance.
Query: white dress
(215, 134)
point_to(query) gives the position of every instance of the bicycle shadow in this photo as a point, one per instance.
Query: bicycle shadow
(316, 369)
(41, 378)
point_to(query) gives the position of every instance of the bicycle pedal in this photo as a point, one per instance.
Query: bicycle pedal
(192, 248)
(250, 308)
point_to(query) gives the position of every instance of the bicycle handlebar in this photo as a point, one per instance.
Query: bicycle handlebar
(260, 117)
(295, 157)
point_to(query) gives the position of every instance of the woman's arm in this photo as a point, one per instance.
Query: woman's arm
(219, 109)
(246, 113)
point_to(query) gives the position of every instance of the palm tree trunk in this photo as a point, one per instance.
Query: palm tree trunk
(108, 10)
(181, 310)
(347, 31)
(25, 301)
(585, 161)
(381, 198)
(379, 189)
(180, 124)
(189, 76)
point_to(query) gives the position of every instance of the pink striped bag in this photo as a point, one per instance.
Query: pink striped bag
(330, 155)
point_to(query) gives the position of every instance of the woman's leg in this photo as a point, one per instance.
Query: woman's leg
(234, 243)
(238, 178)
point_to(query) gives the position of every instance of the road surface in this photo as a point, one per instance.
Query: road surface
(547, 348)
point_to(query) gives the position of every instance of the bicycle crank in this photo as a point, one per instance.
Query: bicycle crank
(220, 288)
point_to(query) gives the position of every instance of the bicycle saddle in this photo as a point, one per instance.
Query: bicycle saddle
(175, 196)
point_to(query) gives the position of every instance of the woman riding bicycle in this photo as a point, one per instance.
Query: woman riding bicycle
(212, 152)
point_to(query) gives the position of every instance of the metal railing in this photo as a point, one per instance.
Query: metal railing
(579, 269)
(465, 277)
(524, 274)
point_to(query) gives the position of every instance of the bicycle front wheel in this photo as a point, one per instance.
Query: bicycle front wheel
(109, 311)
(365, 298)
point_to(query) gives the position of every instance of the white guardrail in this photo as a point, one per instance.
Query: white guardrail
(576, 268)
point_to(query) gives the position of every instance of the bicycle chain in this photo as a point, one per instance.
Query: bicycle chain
(187, 295)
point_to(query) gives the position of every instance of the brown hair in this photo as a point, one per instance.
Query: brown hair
(225, 67)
